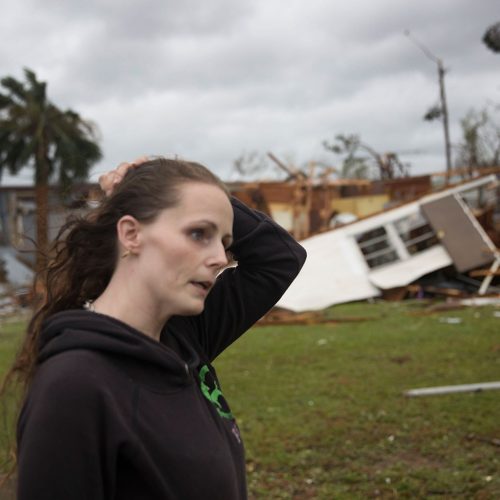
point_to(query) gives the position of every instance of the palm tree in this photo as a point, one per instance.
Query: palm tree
(492, 37)
(58, 144)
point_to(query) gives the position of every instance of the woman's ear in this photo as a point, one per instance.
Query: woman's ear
(129, 234)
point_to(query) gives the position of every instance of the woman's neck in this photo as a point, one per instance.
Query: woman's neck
(124, 300)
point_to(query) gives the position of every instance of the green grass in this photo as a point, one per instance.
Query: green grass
(322, 411)
(323, 416)
(11, 334)
(11, 331)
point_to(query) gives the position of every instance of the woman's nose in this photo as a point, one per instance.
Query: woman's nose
(219, 257)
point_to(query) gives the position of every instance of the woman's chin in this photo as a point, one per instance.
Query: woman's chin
(192, 309)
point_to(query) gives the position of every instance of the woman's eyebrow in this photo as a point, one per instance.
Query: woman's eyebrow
(214, 226)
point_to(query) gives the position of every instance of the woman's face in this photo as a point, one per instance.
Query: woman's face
(184, 249)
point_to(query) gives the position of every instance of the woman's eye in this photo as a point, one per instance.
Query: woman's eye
(198, 235)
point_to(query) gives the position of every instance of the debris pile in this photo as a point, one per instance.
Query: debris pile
(431, 247)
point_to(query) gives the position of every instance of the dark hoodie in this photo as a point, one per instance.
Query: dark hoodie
(114, 414)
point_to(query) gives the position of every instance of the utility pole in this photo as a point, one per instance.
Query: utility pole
(442, 95)
(444, 107)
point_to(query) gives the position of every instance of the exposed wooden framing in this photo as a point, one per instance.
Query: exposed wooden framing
(300, 199)
(304, 188)
(484, 272)
(487, 280)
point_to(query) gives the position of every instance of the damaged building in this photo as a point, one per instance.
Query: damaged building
(396, 247)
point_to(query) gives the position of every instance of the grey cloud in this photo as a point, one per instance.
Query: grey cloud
(216, 78)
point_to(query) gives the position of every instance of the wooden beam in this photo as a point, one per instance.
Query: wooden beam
(448, 389)
(484, 272)
(288, 170)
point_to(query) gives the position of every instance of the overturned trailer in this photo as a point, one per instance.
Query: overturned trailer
(396, 247)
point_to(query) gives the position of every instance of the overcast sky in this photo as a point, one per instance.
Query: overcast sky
(210, 80)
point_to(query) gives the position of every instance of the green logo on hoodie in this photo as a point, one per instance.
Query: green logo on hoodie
(211, 390)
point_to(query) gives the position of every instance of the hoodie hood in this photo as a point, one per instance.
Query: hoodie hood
(140, 355)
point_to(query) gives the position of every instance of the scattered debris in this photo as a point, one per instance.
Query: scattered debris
(479, 301)
(446, 292)
(482, 439)
(15, 272)
(279, 316)
(13, 300)
(400, 360)
(448, 389)
(443, 307)
(451, 321)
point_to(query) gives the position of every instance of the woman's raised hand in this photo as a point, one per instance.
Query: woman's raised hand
(110, 179)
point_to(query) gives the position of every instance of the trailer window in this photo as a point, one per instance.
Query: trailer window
(376, 247)
(416, 233)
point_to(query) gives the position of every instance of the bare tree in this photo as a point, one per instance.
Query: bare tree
(480, 144)
(357, 165)
(252, 164)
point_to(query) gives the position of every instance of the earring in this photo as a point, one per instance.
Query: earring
(125, 254)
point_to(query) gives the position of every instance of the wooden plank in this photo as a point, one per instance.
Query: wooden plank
(449, 389)
(285, 317)
(484, 272)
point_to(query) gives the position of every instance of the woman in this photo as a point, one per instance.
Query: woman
(122, 400)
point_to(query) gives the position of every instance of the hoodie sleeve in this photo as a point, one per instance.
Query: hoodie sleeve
(268, 259)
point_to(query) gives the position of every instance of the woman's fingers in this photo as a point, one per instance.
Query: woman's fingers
(140, 160)
(110, 179)
(122, 169)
